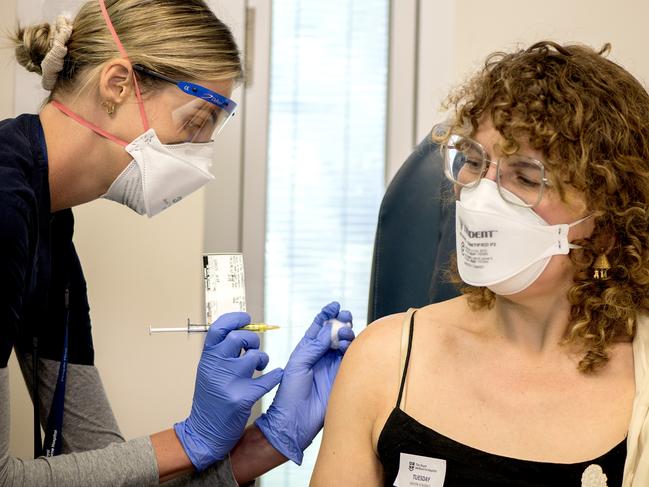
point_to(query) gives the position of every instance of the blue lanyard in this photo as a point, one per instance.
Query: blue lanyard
(53, 432)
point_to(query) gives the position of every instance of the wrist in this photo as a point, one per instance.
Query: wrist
(253, 456)
(282, 433)
(171, 458)
(200, 454)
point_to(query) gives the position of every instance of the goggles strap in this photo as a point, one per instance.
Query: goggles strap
(122, 51)
(90, 125)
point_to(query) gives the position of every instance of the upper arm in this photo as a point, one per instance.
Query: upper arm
(364, 389)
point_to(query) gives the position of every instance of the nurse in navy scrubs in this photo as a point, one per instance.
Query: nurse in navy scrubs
(138, 92)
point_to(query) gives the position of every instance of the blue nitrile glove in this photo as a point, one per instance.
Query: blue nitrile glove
(298, 410)
(225, 390)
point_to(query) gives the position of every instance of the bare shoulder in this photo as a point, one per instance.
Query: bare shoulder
(369, 373)
(375, 352)
(452, 319)
(372, 362)
(380, 342)
(382, 331)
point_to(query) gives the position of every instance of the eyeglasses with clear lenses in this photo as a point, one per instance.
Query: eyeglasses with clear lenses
(520, 179)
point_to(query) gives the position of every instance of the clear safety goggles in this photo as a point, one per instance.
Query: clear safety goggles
(205, 113)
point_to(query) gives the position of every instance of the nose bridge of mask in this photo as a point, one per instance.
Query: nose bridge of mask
(487, 188)
(199, 155)
(487, 195)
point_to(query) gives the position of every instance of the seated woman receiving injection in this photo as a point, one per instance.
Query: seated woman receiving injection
(537, 375)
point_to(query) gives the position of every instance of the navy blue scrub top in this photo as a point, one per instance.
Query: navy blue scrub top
(38, 260)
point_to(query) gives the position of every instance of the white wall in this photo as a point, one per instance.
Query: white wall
(481, 27)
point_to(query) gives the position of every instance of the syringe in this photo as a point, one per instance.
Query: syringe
(203, 328)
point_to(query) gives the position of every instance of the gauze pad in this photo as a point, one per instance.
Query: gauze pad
(335, 326)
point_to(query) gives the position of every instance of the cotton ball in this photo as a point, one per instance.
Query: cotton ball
(335, 326)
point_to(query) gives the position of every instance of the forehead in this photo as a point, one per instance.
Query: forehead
(493, 142)
(224, 87)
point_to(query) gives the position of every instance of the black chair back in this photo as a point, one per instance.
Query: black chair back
(415, 237)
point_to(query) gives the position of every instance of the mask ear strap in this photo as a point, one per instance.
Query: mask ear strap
(581, 220)
(122, 51)
(90, 125)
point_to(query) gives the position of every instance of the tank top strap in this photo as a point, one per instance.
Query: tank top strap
(407, 330)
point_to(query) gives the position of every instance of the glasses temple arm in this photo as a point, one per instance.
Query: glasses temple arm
(141, 69)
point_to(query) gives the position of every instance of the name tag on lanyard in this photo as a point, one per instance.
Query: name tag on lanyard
(418, 471)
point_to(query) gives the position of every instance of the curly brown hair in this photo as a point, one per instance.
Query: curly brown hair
(590, 119)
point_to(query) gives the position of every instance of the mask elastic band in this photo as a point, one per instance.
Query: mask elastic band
(122, 50)
(91, 126)
(581, 220)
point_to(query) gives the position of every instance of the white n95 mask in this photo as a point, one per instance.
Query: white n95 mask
(161, 175)
(502, 246)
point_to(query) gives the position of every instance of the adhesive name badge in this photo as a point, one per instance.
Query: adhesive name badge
(418, 471)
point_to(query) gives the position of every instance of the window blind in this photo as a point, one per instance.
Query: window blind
(326, 168)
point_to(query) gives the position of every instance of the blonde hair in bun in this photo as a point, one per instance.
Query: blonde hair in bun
(181, 39)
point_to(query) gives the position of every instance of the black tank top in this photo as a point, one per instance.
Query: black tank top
(469, 467)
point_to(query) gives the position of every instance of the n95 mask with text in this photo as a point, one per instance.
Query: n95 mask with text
(502, 246)
(161, 175)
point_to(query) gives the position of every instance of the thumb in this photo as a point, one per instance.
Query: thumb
(267, 381)
(308, 352)
(224, 325)
(328, 312)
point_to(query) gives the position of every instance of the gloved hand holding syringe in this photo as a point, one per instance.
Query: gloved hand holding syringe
(254, 327)
(227, 387)
(204, 328)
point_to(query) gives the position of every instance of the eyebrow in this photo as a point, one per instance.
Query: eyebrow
(213, 113)
(520, 162)
(498, 149)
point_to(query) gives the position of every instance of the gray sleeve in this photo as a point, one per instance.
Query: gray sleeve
(89, 424)
(218, 475)
(88, 420)
(130, 463)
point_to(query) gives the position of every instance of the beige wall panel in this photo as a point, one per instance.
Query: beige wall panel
(143, 272)
(483, 27)
(7, 23)
(479, 28)
(21, 424)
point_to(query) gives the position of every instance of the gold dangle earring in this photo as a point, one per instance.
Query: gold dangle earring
(601, 268)
(110, 107)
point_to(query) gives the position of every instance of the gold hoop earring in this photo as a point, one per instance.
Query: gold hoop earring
(601, 268)
(110, 107)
